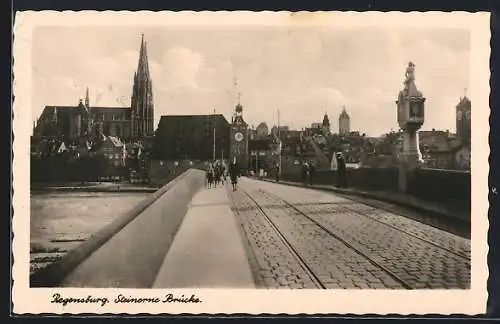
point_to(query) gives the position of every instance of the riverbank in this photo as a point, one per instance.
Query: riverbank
(62, 220)
(94, 187)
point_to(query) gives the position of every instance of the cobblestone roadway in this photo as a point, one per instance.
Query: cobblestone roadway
(274, 264)
(415, 261)
(335, 265)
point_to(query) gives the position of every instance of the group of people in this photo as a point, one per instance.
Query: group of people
(217, 173)
(339, 164)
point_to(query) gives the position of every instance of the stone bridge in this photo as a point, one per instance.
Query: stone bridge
(283, 235)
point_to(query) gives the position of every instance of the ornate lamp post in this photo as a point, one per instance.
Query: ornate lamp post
(410, 106)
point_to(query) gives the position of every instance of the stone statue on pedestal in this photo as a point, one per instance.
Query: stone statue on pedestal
(410, 116)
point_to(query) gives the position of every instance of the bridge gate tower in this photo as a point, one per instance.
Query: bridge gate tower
(239, 138)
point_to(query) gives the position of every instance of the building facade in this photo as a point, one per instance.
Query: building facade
(344, 122)
(191, 137)
(134, 122)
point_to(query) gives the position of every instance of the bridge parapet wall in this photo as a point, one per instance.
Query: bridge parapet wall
(447, 187)
(128, 252)
(452, 187)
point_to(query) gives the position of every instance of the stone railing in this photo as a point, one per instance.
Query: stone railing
(450, 186)
(447, 187)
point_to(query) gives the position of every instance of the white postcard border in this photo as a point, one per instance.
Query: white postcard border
(38, 300)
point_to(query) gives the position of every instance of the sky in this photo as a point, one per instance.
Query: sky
(304, 72)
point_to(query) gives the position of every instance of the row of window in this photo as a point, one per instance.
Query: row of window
(113, 156)
(102, 116)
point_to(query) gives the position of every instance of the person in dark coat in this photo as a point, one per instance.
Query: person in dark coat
(312, 171)
(209, 176)
(223, 173)
(341, 171)
(234, 173)
(305, 173)
(277, 172)
(217, 173)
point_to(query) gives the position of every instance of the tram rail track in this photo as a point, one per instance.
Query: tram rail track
(315, 279)
(297, 254)
(460, 255)
(393, 227)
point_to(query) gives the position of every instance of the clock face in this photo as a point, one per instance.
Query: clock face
(238, 137)
(459, 115)
(467, 114)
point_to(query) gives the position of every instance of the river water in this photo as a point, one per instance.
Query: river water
(60, 221)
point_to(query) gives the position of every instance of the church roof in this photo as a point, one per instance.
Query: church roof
(71, 109)
(62, 111)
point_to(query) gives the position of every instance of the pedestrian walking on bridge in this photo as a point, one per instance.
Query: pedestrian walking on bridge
(223, 173)
(341, 171)
(312, 172)
(305, 173)
(234, 172)
(209, 176)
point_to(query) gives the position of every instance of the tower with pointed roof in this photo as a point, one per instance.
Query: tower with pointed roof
(326, 125)
(463, 119)
(239, 137)
(344, 122)
(142, 108)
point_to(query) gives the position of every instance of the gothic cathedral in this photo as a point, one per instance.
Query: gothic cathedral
(129, 123)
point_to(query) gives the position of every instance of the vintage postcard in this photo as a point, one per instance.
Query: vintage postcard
(250, 162)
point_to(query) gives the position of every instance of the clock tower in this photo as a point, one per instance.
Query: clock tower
(239, 139)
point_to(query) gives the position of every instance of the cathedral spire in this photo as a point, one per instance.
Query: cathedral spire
(142, 96)
(143, 66)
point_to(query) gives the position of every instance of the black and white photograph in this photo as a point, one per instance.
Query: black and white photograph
(183, 162)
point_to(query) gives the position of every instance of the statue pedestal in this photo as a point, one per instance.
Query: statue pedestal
(410, 115)
(411, 152)
(410, 158)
